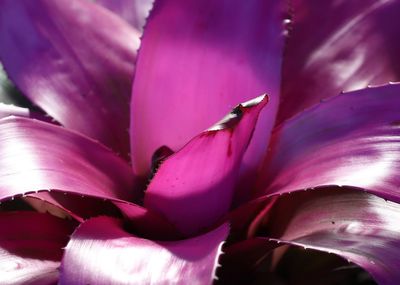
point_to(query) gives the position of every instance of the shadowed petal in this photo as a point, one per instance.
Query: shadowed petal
(75, 60)
(197, 60)
(9, 94)
(7, 110)
(193, 188)
(106, 254)
(352, 139)
(31, 247)
(336, 46)
(358, 226)
(134, 12)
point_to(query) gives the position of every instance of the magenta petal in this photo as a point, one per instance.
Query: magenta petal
(31, 247)
(358, 226)
(77, 173)
(134, 12)
(39, 156)
(197, 60)
(104, 253)
(336, 46)
(352, 139)
(75, 60)
(193, 188)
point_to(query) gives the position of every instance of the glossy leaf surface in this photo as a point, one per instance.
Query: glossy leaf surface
(75, 60)
(194, 187)
(197, 60)
(106, 254)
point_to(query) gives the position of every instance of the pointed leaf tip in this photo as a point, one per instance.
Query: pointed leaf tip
(233, 118)
(202, 70)
(193, 187)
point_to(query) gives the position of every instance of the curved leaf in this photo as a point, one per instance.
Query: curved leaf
(75, 60)
(336, 46)
(76, 173)
(106, 254)
(358, 226)
(197, 60)
(352, 139)
(39, 156)
(194, 187)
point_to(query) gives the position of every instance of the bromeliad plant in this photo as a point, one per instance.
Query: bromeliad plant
(159, 193)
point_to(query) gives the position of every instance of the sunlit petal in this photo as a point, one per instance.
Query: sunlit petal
(197, 60)
(336, 46)
(106, 254)
(75, 60)
(353, 139)
(194, 187)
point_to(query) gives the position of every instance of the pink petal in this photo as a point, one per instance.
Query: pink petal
(106, 254)
(358, 226)
(39, 156)
(31, 247)
(197, 60)
(75, 60)
(353, 139)
(134, 12)
(76, 173)
(338, 45)
(193, 188)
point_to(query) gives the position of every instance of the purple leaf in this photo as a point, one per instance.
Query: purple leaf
(193, 188)
(39, 156)
(134, 12)
(197, 60)
(336, 46)
(106, 254)
(31, 247)
(357, 226)
(73, 59)
(73, 170)
(352, 139)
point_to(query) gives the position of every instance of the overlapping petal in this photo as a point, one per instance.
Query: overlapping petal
(194, 187)
(197, 60)
(336, 46)
(358, 226)
(134, 12)
(31, 247)
(75, 60)
(352, 139)
(106, 254)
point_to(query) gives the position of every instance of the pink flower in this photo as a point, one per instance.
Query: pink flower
(164, 191)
